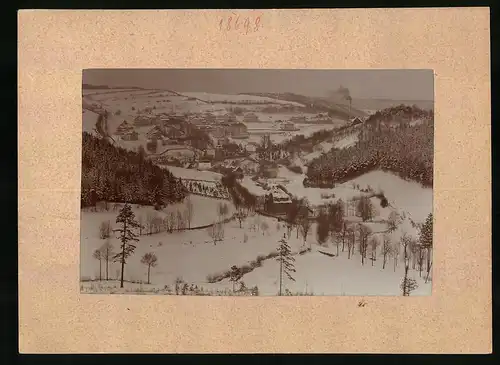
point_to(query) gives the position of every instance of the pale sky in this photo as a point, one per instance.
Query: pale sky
(386, 84)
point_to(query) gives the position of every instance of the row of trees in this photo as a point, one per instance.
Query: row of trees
(114, 174)
(406, 151)
(216, 190)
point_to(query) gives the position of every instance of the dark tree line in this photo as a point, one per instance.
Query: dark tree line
(114, 174)
(407, 151)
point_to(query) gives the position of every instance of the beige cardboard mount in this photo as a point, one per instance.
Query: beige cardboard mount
(54, 47)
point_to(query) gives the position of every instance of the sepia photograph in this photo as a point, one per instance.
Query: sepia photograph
(257, 182)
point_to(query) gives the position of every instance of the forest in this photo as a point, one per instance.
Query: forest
(114, 174)
(407, 151)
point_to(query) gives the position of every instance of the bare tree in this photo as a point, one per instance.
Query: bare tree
(305, 226)
(105, 230)
(222, 210)
(365, 208)
(107, 255)
(140, 220)
(264, 226)
(150, 260)
(393, 221)
(98, 256)
(216, 232)
(364, 233)
(407, 284)
(396, 248)
(344, 234)
(171, 222)
(150, 222)
(241, 214)
(420, 258)
(181, 223)
(189, 211)
(374, 243)
(386, 248)
(351, 241)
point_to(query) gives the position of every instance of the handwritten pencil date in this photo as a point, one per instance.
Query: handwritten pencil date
(235, 23)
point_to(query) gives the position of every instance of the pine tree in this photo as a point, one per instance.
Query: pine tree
(236, 275)
(286, 261)
(426, 241)
(126, 218)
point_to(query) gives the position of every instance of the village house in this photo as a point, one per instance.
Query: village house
(173, 132)
(251, 118)
(210, 152)
(130, 136)
(124, 128)
(220, 131)
(288, 126)
(251, 147)
(226, 118)
(177, 152)
(209, 117)
(204, 165)
(249, 166)
(356, 120)
(155, 133)
(238, 131)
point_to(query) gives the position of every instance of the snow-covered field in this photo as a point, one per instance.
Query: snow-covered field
(192, 256)
(89, 121)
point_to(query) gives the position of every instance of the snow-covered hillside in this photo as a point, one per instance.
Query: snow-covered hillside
(237, 98)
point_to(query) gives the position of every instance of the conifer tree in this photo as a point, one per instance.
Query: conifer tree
(127, 236)
(236, 275)
(425, 239)
(286, 261)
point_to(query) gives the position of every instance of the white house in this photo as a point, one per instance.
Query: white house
(204, 165)
(251, 147)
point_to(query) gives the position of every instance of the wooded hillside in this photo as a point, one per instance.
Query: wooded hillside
(114, 174)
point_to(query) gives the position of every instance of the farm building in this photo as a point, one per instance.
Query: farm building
(204, 165)
(131, 136)
(356, 120)
(251, 118)
(175, 133)
(210, 152)
(288, 126)
(238, 130)
(145, 120)
(124, 128)
(177, 152)
(251, 147)
(298, 119)
(155, 133)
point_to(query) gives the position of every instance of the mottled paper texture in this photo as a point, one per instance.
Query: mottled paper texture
(54, 47)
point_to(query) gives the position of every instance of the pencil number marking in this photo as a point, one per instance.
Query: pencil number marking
(233, 23)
